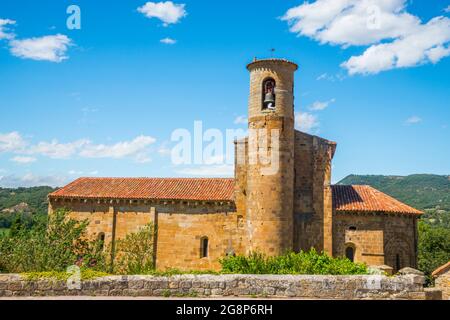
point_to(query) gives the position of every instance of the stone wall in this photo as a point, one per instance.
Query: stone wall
(303, 286)
(312, 194)
(377, 239)
(180, 227)
(442, 282)
(179, 239)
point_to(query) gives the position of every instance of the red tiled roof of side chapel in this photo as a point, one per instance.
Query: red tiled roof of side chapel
(148, 188)
(345, 198)
(366, 198)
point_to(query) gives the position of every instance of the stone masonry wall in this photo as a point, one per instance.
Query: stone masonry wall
(443, 283)
(180, 227)
(377, 239)
(264, 286)
(313, 199)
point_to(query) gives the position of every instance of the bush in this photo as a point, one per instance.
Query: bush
(134, 253)
(291, 263)
(49, 245)
(434, 248)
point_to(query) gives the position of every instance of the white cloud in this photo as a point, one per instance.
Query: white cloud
(305, 121)
(168, 12)
(143, 158)
(321, 105)
(80, 173)
(75, 172)
(241, 120)
(413, 120)
(430, 43)
(23, 160)
(49, 48)
(396, 38)
(208, 170)
(330, 77)
(11, 142)
(4, 30)
(118, 150)
(137, 148)
(164, 149)
(168, 41)
(447, 9)
(56, 150)
(31, 180)
(325, 76)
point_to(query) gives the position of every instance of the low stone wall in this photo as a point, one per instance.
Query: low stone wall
(264, 286)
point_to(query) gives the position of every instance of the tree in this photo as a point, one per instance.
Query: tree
(49, 245)
(434, 248)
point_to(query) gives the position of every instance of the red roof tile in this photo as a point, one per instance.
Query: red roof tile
(148, 188)
(345, 198)
(441, 270)
(366, 198)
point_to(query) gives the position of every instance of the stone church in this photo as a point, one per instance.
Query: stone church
(295, 207)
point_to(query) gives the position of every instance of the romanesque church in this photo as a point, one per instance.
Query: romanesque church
(294, 207)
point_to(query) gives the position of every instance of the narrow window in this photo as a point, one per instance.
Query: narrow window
(204, 247)
(352, 228)
(397, 262)
(101, 240)
(350, 253)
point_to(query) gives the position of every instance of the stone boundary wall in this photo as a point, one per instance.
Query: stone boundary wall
(252, 286)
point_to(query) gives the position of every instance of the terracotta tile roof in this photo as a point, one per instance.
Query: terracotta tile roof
(366, 198)
(345, 198)
(148, 188)
(441, 269)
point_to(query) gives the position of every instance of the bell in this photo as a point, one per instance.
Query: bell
(269, 98)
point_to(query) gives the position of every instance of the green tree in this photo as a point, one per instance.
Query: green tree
(49, 245)
(434, 248)
(134, 253)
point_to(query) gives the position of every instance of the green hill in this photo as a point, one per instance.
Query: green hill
(427, 192)
(22, 201)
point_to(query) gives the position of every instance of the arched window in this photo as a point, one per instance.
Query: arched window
(350, 253)
(397, 262)
(204, 244)
(101, 240)
(268, 94)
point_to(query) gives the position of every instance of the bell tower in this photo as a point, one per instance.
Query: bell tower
(270, 168)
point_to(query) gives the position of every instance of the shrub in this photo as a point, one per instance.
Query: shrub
(134, 253)
(434, 248)
(291, 263)
(49, 245)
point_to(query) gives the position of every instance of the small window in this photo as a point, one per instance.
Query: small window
(101, 240)
(397, 262)
(352, 228)
(204, 243)
(350, 253)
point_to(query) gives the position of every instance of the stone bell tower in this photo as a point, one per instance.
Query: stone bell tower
(270, 168)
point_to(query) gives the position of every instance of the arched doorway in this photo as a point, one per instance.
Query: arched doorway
(397, 253)
(350, 251)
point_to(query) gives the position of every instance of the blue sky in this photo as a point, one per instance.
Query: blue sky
(105, 99)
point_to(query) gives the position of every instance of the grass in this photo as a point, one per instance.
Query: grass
(4, 231)
(176, 272)
(86, 274)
